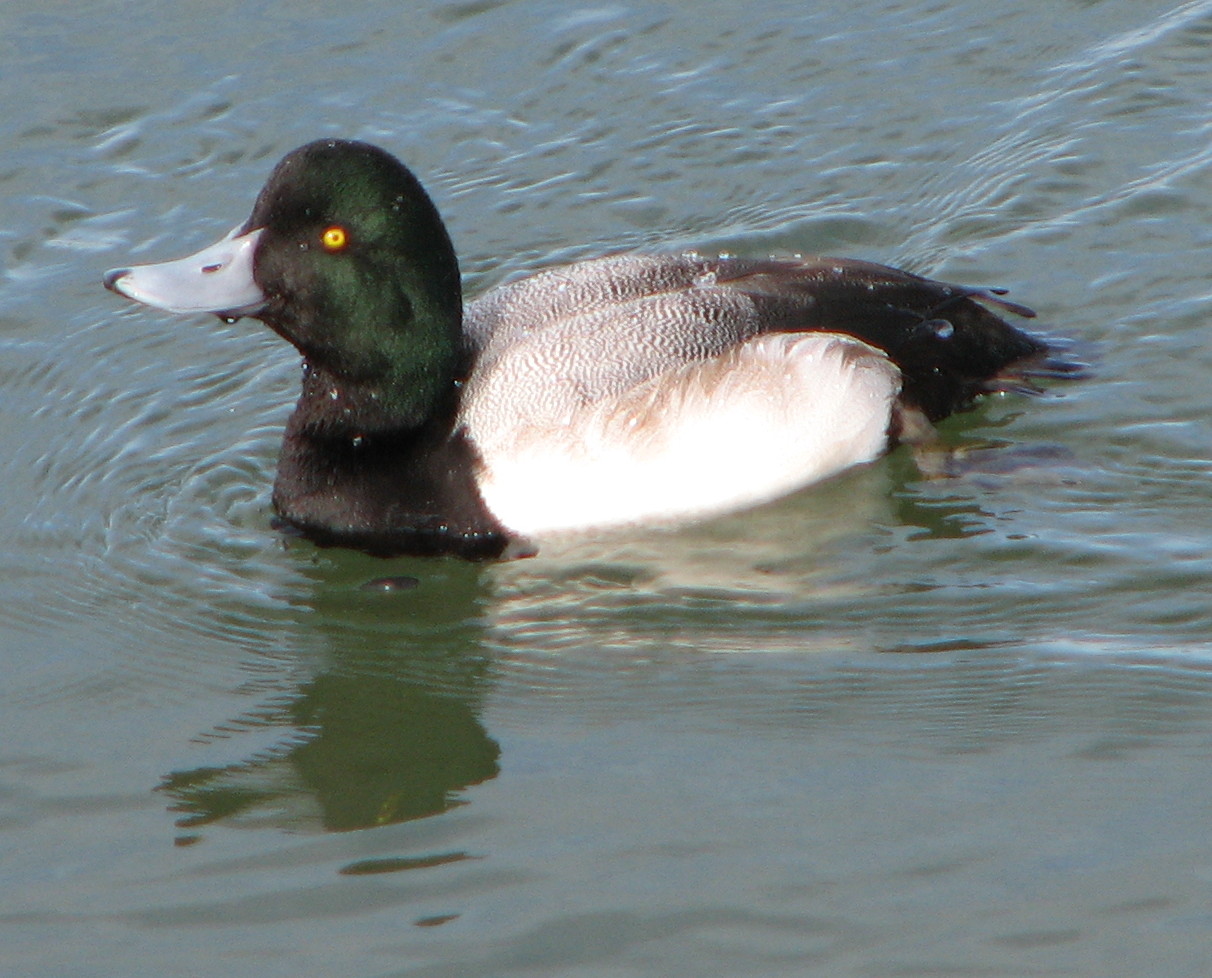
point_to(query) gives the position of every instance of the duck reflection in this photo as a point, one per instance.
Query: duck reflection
(388, 731)
(934, 487)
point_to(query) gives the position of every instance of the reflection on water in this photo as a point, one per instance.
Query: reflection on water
(387, 731)
(371, 751)
(387, 725)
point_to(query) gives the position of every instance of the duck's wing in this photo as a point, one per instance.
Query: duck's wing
(560, 341)
(616, 321)
(949, 345)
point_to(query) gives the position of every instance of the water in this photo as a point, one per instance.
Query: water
(893, 725)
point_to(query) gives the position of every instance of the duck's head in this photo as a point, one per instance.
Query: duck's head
(345, 256)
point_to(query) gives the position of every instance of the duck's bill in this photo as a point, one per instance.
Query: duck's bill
(218, 279)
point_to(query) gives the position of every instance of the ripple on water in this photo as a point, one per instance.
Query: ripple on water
(149, 474)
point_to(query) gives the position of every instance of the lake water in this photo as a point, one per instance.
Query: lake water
(891, 726)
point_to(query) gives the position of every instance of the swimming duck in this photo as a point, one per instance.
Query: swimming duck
(625, 389)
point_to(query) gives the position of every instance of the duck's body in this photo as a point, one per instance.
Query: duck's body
(621, 390)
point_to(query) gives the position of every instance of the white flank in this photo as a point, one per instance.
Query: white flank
(768, 416)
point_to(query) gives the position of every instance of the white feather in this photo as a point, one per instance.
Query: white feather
(763, 418)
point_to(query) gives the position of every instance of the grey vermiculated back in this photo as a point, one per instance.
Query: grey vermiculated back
(569, 337)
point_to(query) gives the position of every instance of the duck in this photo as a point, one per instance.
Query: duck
(631, 389)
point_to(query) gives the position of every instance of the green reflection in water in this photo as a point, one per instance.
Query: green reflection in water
(387, 732)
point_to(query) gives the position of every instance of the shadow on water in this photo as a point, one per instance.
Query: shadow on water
(386, 731)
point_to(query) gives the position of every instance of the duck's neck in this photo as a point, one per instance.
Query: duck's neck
(335, 409)
(345, 479)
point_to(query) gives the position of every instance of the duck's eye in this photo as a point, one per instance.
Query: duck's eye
(334, 238)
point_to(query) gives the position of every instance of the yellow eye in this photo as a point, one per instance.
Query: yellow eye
(334, 238)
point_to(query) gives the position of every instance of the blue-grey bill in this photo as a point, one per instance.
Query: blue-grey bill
(217, 279)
